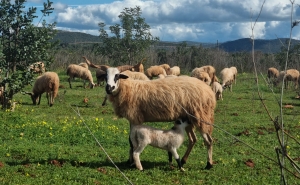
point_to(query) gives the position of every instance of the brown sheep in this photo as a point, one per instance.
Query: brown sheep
(139, 67)
(49, 83)
(209, 69)
(154, 71)
(272, 74)
(162, 100)
(201, 75)
(290, 75)
(75, 70)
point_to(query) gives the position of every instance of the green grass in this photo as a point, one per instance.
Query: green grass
(51, 145)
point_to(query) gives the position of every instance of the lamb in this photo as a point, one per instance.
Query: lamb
(218, 90)
(74, 70)
(170, 140)
(166, 99)
(272, 74)
(227, 77)
(209, 69)
(201, 75)
(290, 75)
(175, 70)
(49, 83)
(154, 71)
(37, 67)
(234, 71)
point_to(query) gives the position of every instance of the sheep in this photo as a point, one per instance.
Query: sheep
(154, 71)
(102, 67)
(170, 140)
(82, 64)
(165, 100)
(37, 67)
(234, 71)
(139, 67)
(227, 77)
(74, 70)
(167, 68)
(99, 76)
(209, 69)
(49, 83)
(136, 75)
(175, 70)
(218, 90)
(290, 75)
(201, 75)
(272, 74)
(130, 74)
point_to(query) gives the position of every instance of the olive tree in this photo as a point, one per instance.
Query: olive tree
(130, 38)
(22, 44)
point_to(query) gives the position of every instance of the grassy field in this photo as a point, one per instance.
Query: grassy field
(52, 145)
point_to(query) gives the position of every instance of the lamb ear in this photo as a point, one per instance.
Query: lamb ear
(123, 76)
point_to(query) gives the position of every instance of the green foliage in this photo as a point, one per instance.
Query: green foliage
(129, 40)
(22, 44)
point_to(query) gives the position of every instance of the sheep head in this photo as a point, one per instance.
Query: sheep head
(112, 80)
(33, 96)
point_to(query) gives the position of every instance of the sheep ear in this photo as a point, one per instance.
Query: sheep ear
(123, 76)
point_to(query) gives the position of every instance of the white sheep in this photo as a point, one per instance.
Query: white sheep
(227, 77)
(170, 140)
(162, 100)
(74, 70)
(201, 75)
(37, 67)
(235, 72)
(209, 69)
(175, 70)
(218, 90)
(49, 83)
(154, 71)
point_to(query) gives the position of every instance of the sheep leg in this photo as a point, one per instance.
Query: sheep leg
(136, 156)
(104, 101)
(177, 158)
(170, 158)
(39, 99)
(130, 160)
(192, 141)
(208, 143)
(69, 80)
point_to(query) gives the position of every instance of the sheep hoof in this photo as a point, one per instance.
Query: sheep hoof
(182, 169)
(208, 166)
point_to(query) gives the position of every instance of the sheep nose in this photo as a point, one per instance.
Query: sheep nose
(109, 89)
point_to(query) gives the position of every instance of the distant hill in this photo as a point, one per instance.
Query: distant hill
(244, 44)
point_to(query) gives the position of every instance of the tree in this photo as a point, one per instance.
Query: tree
(22, 44)
(130, 38)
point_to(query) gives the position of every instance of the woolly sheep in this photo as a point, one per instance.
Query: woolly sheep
(209, 69)
(82, 64)
(130, 74)
(290, 75)
(175, 70)
(167, 68)
(166, 99)
(139, 67)
(272, 74)
(74, 70)
(218, 90)
(49, 83)
(154, 71)
(37, 67)
(201, 75)
(170, 140)
(227, 77)
(234, 71)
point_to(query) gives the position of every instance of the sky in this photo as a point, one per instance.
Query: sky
(206, 21)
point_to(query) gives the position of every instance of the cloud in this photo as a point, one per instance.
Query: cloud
(194, 20)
